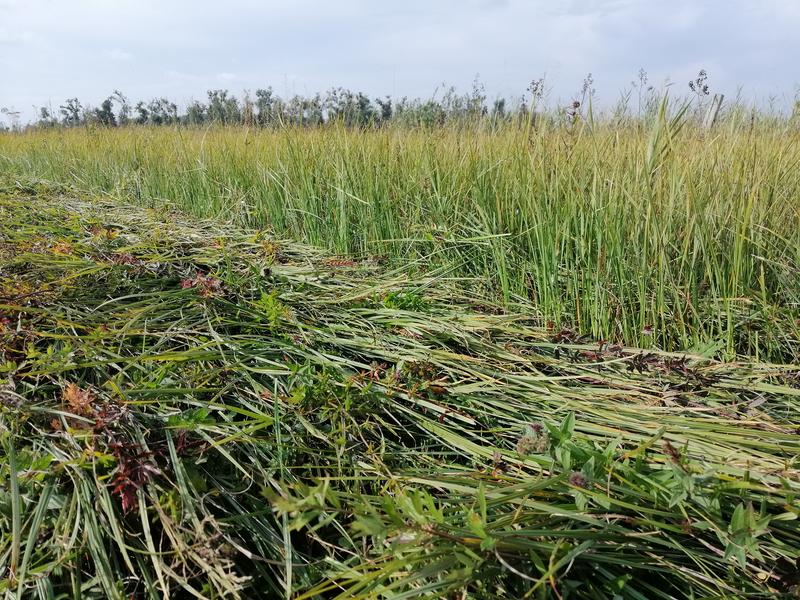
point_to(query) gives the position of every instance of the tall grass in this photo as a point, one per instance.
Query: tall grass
(614, 229)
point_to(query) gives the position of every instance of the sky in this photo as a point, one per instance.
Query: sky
(51, 50)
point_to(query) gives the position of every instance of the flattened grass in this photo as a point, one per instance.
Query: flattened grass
(198, 410)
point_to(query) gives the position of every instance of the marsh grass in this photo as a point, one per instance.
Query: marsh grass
(192, 409)
(638, 232)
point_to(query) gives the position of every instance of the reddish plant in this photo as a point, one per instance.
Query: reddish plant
(206, 286)
(134, 469)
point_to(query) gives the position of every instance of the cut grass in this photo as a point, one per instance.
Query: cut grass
(195, 410)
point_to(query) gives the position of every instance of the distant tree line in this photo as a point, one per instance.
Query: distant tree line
(265, 108)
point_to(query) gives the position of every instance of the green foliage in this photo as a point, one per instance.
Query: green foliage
(159, 111)
(71, 112)
(273, 310)
(280, 437)
(105, 114)
(644, 232)
(222, 108)
(404, 301)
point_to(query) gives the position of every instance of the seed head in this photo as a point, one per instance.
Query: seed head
(578, 479)
(534, 441)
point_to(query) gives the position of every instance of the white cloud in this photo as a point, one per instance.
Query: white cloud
(10, 38)
(119, 55)
(181, 48)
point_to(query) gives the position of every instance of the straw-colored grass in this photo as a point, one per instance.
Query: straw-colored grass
(611, 229)
(192, 410)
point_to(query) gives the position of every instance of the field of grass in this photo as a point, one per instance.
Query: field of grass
(190, 408)
(642, 233)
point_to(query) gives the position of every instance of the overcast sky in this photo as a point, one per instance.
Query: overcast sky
(54, 49)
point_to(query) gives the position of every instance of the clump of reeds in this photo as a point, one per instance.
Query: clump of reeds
(646, 232)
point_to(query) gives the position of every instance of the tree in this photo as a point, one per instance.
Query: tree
(124, 114)
(195, 113)
(162, 112)
(265, 107)
(314, 113)
(248, 110)
(71, 112)
(159, 111)
(142, 114)
(46, 118)
(223, 108)
(385, 107)
(105, 114)
(349, 108)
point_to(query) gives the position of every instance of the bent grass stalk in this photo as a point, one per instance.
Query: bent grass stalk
(247, 415)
